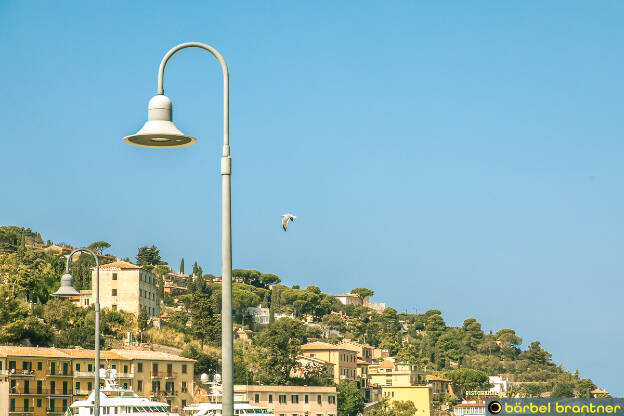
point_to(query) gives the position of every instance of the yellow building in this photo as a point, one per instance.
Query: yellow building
(390, 373)
(343, 359)
(45, 381)
(364, 351)
(291, 400)
(439, 385)
(127, 287)
(421, 396)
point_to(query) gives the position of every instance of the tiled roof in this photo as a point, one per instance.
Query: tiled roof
(120, 264)
(322, 346)
(9, 350)
(352, 295)
(386, 364)
(82, 353)
(149, 355)
(598, 390)
(434, 378)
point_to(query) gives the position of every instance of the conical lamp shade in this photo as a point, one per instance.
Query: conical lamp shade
(67, 287)
(159, 130)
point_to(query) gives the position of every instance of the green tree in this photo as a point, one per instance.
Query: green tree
(282, 344)
(509, 342)
(362, 292)
(143, 322)
(464, 379)
(536, 354)
(562, 389)
(148, 257)
(99, 246)
(182, 266)
(583, 387)
(350, 402)
(205, 363)
(206, 324)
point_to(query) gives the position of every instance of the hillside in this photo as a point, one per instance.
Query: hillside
(465, 354)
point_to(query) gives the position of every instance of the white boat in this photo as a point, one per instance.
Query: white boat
(212, 405)
(116, 400)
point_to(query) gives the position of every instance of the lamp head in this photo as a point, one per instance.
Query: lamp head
(67, 287)
(159, 130)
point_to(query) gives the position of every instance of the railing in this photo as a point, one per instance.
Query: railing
(58, 373)
(171, 375)
(170, 393)
(156, 374)
(91, 374)
(54, 410)
(12, 372)
(22, 410)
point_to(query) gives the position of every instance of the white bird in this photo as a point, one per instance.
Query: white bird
(285, 219)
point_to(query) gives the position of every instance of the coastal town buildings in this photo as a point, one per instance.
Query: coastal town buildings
(127, 287)
(344, 359)
(291, 400)
(45, 381)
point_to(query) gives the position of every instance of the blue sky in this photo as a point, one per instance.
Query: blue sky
(459, 156)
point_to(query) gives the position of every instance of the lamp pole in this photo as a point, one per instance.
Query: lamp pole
(67, 289)
(159, 131)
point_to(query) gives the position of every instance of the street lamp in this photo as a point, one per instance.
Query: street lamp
(67, 290)
(160, 131)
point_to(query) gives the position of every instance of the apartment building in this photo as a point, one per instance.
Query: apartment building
(128, 287)
(390, 373)
(344, 359)
(364, 351)
(291, 400)
(421, 396)
(45, 381)
(439, 385)
(306, 362)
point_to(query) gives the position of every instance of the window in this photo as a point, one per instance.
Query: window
(38, 402)
(26, 386)
(282, 398)
(39, 386)
(184, 388)
(183, 368)
(139, 367)
(331, 399)
(294, 398)
(39, 365)
(319, 399)
(114, 292)
(114, 276)
(169, 370)
(77, 385)
(77, 367)
(114, 307)
(312, 355)
(155, 386)
(270, 398)
(140, 385)
(155, 368)
(256, 398)
(305, 399)
(13, 387)
(183, 403)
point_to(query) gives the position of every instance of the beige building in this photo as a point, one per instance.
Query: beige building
(305, 362)
(291, 400)
(351, 299)
(364, 351)
(343, 359)
(421, 396)
(45, 381)
(127, 287)
(389, 373)
(439, 385)
(84, 299)
(4, 398)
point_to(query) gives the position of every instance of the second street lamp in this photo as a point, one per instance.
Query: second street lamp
(67, 290)
(160, 131)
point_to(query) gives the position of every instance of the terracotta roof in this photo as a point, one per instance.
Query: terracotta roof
(8, 350)
(82, 353)
(386, 364)
(480, 404)
(120, 264)
(322, 346)
(355, 343)
(598, 390)
(303, 357)
(434, 378)
(149, 355)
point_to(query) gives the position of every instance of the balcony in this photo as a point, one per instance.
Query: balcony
(58, 373)
(171, 375)
(21, 411)
(12, 372)
(171, 393)
(157, 375)
(54, 410)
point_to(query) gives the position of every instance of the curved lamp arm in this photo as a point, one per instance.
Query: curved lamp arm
(226, 83)
(97, 323)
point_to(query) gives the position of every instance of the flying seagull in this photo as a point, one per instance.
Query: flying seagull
(285, 219)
